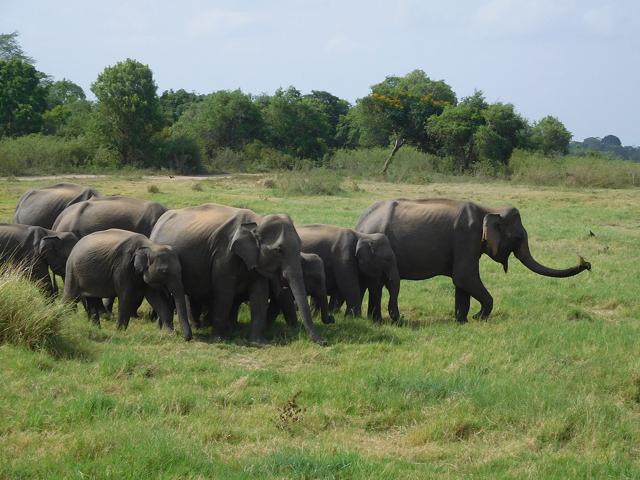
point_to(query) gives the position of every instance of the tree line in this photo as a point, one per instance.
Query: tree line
(129, 124)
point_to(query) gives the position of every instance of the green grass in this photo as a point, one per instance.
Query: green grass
(548, 387)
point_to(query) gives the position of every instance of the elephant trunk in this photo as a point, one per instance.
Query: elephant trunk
(392, 282)
(524, 255)
(181, 307)
(293, 276)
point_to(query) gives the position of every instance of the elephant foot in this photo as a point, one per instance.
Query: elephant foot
(258, 340)
(319, 340)
(328, 320)
(480, 316)
(461, 321)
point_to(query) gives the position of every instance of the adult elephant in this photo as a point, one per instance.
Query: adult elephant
(354, 261)
(103, 213)
(447, 237)
(38, 249)
(127, 265)
(229, 252)
(42, 206)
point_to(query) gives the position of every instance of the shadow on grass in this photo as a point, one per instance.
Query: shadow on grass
(61, 347)
(345, 330)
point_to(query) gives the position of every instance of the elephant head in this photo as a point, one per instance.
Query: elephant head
(377, 259)
(160, 268)
(503, 234)
(271, 246)
(55, 249)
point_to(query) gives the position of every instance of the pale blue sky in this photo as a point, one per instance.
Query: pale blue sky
(576, 59)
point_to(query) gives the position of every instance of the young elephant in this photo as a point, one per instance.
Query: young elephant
(38, 249)
(127, 265)
(315, 283)
(353, 261)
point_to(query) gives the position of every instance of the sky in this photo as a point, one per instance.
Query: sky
(578, 60)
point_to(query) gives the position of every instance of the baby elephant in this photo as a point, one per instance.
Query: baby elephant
(315, 284)
(36, 248)
(127, 265)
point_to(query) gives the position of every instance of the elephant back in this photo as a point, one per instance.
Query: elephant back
(42, 206)
(104, 213)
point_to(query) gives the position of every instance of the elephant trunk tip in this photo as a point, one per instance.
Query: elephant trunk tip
(584, 265)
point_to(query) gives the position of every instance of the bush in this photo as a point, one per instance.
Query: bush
(317, 181)
(27, 316)
(409, 164)
(574, 171)
(43, 154)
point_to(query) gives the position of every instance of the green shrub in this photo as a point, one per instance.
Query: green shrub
(409, 164)
(574, 171)
(27, 316)
(43, 154)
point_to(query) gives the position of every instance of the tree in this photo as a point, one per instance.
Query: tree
(334, 109)
(224, 119)
(294, 124)
(550, 136)
(399, 107)
(609, 141)
(22, 98)
(10, 49)
(174, 104)
(127, 111)
(453, 130)
(496, 139)
(64, 92)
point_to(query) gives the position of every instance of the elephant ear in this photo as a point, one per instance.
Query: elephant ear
(244, 243)
(491, 232)
(141, 260)
(47, 245)
(365, 247)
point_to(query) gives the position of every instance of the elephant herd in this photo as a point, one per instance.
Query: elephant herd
(204, 261)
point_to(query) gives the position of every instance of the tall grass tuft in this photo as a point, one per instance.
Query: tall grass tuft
(317, 181)
(27, 316)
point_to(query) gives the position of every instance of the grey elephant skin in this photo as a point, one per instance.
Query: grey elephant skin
(38, 249)
(229, 252)
(282, 300)
(129, 266)
(103, 213)
(354, 261)
(447, 237)
(42, 206)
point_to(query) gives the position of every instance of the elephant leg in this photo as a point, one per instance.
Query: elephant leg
(474, 287)
(319, 300)
(233, 314)
(128, 303)
(108, 304)
(349, 288)
(273, 311)
(287, 304)
(91, 305)
(161, 304)
(374, 310)
(195, 312)
(220, 308)
(258, 301)
(335, 303)
(463, 302)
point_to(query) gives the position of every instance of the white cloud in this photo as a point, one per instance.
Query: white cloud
(519, 17)
(600, 20)
(341, 44)
(219, 22)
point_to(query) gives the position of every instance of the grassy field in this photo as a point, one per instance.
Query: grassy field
(548, 387)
